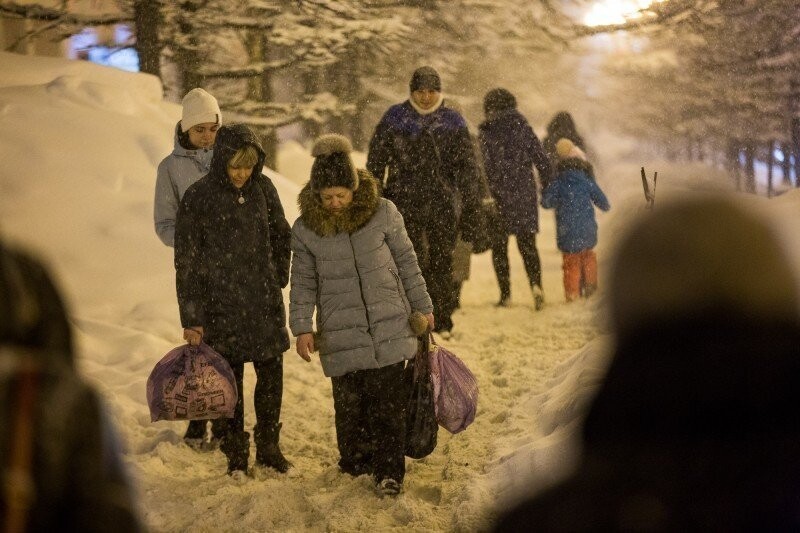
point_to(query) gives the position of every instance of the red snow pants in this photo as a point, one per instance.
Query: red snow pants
(580, 270)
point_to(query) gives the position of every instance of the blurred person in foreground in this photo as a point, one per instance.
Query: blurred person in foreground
(60, 456)
(189, 161)
(696, 424)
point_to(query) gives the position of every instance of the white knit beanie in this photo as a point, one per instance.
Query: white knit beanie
(199, 107)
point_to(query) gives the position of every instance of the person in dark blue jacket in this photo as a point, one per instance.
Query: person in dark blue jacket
(574, 193)
(511, 150)
(422, 155)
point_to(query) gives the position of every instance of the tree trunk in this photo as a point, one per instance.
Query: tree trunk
(259, 89)
(147, 20)
(796, 148)
(187, 59)
(733, 164)
(312, 80)
(749, 166)
(770, 165)
(786, 164)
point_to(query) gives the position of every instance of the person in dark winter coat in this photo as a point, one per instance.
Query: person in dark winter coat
(355, 265)
(462, 253)
(61, 460)
(511, 151)
(695, 427)
(574, 193)
(562, 126)
(422, 155)
(189, 161)
(232, 252)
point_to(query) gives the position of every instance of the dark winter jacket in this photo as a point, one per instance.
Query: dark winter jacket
(232, 258)
(574, 194)
(359, 272)
(176, 173)
(79, 481)
(511, 150)
(562, 126)
(431, 166)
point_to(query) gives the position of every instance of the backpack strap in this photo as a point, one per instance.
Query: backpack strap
(18, 485)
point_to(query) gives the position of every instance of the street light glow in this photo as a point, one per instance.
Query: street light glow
(607, 12)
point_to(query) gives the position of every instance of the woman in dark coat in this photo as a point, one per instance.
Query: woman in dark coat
(424, 151)
(511, 150)
(232, 251)
(355, 268)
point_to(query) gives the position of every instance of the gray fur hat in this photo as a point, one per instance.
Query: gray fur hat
(333, 166)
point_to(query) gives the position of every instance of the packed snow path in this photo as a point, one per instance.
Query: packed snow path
(512, 351)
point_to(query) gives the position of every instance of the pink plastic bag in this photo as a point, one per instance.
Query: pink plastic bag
(191, 383)
(455, 390)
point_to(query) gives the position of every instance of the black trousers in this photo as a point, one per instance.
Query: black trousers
(267, 402)
(370, 408)
(434, 240)
(526, 242)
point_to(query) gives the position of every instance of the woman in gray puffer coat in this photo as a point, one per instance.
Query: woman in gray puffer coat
(354, 263)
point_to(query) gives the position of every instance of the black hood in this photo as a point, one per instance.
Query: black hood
(229, 140)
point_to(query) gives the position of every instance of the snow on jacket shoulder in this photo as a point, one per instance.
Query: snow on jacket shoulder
(359, 271)
(574, 194)
(176, 173)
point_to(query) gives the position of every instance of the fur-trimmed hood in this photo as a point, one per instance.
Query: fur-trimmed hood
(575, 163)
(319, 220)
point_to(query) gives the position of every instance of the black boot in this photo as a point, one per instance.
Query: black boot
(236, 447)
(268, 452)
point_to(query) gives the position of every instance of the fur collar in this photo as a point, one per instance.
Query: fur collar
(365, 202)
(575, 163)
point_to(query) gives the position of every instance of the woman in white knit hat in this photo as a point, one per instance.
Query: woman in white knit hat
(189, 161)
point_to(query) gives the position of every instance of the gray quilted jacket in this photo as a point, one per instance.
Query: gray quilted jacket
(176, 173)
(360, 273)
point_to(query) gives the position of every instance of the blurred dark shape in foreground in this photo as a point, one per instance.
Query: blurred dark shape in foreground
(60, 459)
(696, 425)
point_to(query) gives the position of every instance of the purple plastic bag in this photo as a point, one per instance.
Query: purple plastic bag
(191, 383)
(455, 390)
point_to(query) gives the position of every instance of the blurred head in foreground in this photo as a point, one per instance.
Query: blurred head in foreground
(696, 424)
(62, 465)
(32, 313)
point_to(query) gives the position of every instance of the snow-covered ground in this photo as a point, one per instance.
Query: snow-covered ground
(80, 144)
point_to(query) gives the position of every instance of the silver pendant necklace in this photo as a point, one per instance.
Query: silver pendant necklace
(241, 198)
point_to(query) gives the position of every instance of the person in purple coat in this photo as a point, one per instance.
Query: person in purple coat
(423, 158)
(511, 150)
